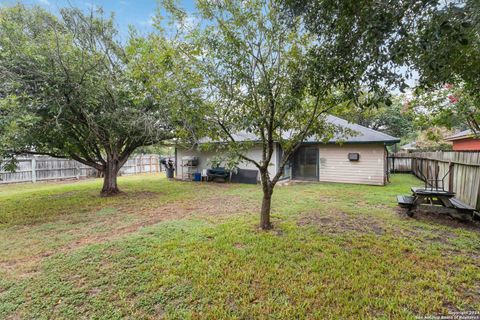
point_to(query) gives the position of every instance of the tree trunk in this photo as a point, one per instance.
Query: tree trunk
(110, 186)
(265, 223)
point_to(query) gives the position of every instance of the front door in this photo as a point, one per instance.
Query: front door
(305, 163)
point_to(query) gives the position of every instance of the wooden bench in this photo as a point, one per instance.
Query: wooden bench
(463, 207)
(405, 201)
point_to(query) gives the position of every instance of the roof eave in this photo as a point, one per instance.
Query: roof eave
(459, 138)
(386, 142)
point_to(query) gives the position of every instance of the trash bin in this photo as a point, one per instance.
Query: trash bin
(197, 176)
(170, 173)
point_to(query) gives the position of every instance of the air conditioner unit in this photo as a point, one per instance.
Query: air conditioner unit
(354, 156)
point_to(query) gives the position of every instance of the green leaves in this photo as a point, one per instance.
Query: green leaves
(448, 52)
(257, 78)
(359, 44)
(452, 106)
(78, 91)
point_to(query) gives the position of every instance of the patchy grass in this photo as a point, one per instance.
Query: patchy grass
(180, 250)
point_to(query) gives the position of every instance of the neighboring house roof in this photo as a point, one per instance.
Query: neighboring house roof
(461, 135)
(362, 134)
(409, 146)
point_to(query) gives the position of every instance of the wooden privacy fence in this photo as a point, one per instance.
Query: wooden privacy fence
(142, 164)
(42, 168)
(452, 170)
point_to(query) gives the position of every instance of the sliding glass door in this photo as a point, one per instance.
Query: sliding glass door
(305, 163)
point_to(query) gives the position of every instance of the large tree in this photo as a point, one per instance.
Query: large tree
(81, 93)
(364, 41)
(446, 51)
(395, 118)
(271, 80)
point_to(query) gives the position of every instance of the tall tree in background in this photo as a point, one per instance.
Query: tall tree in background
(79, 92)
(442, 107)
(447, 55)
(393, 118)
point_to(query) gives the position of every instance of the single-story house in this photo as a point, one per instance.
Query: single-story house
(464, 141)
(359, 158)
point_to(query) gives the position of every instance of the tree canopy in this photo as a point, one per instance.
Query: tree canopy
(395, 118)
(71, 89)
(446, 53)
(364, 45)
(435, 41)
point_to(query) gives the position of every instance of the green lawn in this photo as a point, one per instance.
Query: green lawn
(180, 250)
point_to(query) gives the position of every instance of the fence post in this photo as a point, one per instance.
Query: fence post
(34, 171)
(451, 176)
(77, 170)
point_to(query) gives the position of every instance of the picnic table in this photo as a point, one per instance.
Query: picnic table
(436, 198)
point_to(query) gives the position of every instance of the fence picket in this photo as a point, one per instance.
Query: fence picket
(46, 168)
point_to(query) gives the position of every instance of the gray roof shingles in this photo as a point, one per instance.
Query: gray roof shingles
(362, 134)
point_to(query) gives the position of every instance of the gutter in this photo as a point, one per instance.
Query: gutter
(385, 142)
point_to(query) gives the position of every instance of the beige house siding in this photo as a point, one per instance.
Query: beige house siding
(335, 166)
(205, 159)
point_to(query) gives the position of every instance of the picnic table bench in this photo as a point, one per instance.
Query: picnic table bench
(436, 198)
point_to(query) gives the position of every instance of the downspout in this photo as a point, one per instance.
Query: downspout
(176, 164)
(387, 167)
(318, 163)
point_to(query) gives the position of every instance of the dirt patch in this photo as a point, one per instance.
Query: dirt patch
(439, 218)
(140, 195)
(173, 211)
(428, 228)
(94, 291)
(340, 222)
(125, 220)
(25, 268)
(62, 195)
(472, 293)
(218, 206)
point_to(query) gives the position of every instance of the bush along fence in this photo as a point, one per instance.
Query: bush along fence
(41, 168)
(454, 171)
